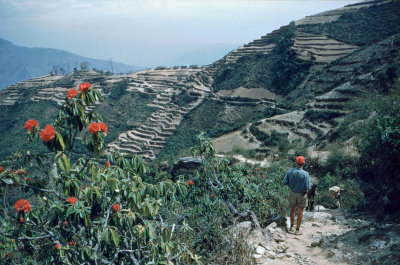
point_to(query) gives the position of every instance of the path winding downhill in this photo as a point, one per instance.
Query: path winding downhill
(329, 237)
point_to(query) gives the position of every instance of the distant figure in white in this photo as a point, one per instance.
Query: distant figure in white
(336, 193)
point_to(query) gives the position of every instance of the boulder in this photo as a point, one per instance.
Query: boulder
(260, 250)
(316, 241)
(186, 165)
(271, 254)
(240, 228)
(321, 217)
(319, 208)
(377, 244)
(280, 255)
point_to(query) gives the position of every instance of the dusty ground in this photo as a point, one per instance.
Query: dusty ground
(329, 237)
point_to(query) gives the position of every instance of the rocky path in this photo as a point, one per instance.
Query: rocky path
(329, 237)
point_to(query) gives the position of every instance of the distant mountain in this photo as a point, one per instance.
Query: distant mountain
(19, 63)
(203, 56)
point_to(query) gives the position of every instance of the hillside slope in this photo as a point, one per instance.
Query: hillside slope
(288, 87)
(19, 63)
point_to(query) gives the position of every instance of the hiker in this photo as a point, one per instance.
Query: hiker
(336, 193)
(298, 181)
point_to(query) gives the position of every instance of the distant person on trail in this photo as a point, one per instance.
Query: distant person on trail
(336, 193)
(299, 183)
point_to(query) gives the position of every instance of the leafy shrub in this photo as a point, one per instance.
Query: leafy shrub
(322, 116)
(379, 163)
(119, 90)
(223, 194)
(184, 98)
(340, 163)
(85, 210)
(352, 194)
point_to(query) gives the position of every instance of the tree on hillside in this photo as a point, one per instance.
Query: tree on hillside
(85, 209)
(84, 66)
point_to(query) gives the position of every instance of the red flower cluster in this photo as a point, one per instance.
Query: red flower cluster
(1, 168)
(72, 200)
(191, 183)
(21, 219)
(71, 243)
(31, 124)
(213, 195)
(84, 87)
(28, 179)
(72, 93)
(116, 207)
(48, 133)
(96, 127)
(65, 222)
(22, 205)
(108, 164)
(57, 246)
(20, 171)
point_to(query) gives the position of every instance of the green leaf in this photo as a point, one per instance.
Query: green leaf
(152, 232)
(94, 172)
(105, 236)
(63, 162)
(70, 211)
(60, 140)
(115, 236)
(112, 182)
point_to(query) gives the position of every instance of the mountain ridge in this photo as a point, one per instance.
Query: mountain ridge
(18, 63)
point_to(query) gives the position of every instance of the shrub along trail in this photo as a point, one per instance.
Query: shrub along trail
(329, 237)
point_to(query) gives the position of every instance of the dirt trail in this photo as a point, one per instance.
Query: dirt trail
(329, 237)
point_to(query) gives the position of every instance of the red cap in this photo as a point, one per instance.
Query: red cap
(300, 160)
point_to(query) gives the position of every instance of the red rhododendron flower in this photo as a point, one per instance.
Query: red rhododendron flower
(116, 207)
(20, 171)
(84, 87)
(108, 164)
(22, 205)
(65, 222)
(191, 183)
(72, 200)
(213, 195)
(21, 219)
(28, 179)
(48, 133)
(13, 241)
(31, 124)
(103, 127)
(71, 243)
(72, 93)
(1, 168)
(94, 127)
(57, 246)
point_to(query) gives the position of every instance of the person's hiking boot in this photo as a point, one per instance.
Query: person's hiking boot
(291, 230)
(298, 231)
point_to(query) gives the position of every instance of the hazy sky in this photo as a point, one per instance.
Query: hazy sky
(147, 32)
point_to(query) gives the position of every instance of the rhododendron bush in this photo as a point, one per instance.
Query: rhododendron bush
(92, 209)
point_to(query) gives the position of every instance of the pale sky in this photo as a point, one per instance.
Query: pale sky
(147, 32)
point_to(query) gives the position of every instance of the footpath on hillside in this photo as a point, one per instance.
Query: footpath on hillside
(328, 237)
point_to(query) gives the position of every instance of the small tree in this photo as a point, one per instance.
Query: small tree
(87, 211)
(84, 66)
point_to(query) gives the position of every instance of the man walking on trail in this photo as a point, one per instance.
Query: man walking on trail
(298, 181)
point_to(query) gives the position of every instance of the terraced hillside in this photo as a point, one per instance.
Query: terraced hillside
(294, 82)
(148, 139)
